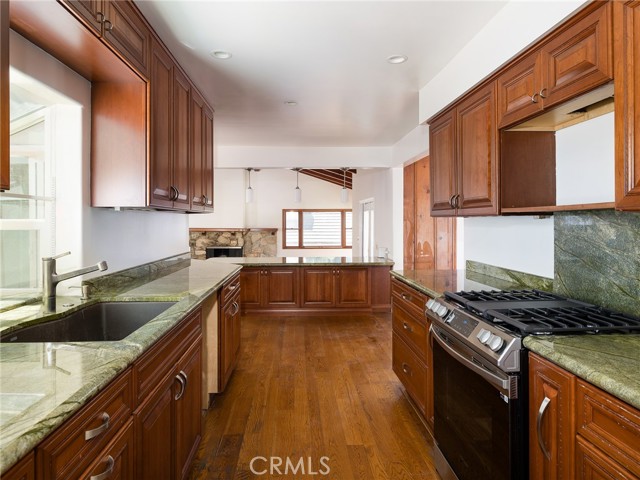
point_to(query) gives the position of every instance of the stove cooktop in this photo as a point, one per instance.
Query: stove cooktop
(538, 312)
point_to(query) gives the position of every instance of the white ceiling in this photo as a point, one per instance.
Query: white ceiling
(328, 56)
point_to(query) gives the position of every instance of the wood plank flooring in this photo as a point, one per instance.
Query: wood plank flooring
(313, 387)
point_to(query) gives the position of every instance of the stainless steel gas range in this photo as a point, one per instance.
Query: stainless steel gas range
(480, 373)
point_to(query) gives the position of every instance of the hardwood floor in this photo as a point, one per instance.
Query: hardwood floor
(313, 387)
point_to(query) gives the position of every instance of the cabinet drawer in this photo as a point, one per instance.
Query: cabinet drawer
(609, 424)
(230, 289)
(591, 463)
(78, 441)
(413, 330)
(157, 363)
(116, 461)
(408, 297)
(411, 372)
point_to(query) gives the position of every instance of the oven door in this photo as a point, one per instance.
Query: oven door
(479, 415)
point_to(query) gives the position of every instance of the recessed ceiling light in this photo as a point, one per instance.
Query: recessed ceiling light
(221, 54)
(395, 59)
(291, 103)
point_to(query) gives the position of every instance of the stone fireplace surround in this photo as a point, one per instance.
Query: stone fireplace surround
(257, 242)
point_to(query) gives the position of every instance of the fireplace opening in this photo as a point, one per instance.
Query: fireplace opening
(224, 252)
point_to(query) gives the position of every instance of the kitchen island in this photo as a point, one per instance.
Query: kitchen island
(38, 396)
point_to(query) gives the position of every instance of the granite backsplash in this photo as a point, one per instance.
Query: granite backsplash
(597, 258)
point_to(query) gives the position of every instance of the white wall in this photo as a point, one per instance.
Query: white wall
(123, 239)
(273, 192)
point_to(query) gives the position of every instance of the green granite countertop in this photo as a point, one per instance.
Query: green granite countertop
(303, 261)
(37, 396)
(608, 361)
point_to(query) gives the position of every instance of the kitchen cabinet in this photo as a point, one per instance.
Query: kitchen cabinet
(119, 24)
(627, 104)
(577, 430)
(571, 61)
(116, 461)
(168, 422)
(23, 470)
(269, 288)
(201, 148)
(464, 156)
(228, 331)
(335, 287)
(4, 96)
(551, 420)
(409, 216)
(73, 447)
(411, 346)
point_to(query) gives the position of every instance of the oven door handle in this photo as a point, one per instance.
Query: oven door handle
(492, 378)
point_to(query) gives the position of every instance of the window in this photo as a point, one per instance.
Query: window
(317, 228)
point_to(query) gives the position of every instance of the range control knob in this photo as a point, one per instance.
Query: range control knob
(430, 303)
(495, 343)
(484, 335)
(442, 310)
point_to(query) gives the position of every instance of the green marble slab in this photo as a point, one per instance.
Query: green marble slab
(514, 278)
(597, 258)
(608, 361)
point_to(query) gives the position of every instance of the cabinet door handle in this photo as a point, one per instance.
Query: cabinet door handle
(183, 386)
(406, 369)
(533, 98)
(451, 200)
(89, 434)
(107, 473)
(456, 201)
(541, 411)
(236, 308)
(542, 95)
(100, 17)
(407, 327)
(108, 26)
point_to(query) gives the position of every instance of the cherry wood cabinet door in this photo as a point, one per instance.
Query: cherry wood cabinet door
(579, 58)
(23, 470)
(551, 420)
(208, 169)
(154, 433)
(4, 96)
(592, 464)
(228, 341)
(161, 100)
(442, 153)
(181, 165)
(116, 461)
(90, 12)
(518, 90)
(425, 225)
(250, 287)
(627, 103)
(411, 371)
(477, 172)
(353, 287)
(188, 408)
(409, 216)
(318, 288)
(198, 200)
(280, 287)
(126, 31)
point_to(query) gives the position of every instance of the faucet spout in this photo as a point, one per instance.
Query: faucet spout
(50, 279)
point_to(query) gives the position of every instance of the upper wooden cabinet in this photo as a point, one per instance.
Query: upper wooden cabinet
(575, 59)
(119, 24)
(464, 157)
(627, 103)
(201, 154)
(4, 96)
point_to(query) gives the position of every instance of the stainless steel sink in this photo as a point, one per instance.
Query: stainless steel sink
(100, 322)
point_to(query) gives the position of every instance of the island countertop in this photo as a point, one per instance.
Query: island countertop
(35, 399)
(304, 261)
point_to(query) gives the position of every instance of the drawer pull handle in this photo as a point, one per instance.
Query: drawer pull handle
(405, 296)
(541, 411)
(406, 369)
(89, 434)
(407, 327)
(107, 473)
(236, 308)
(234, 286)
(183, 386)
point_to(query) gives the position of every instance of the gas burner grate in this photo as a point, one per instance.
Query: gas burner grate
(565, 320)
(465, 297)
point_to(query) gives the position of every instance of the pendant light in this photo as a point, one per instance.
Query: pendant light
(298, 192)
(344, 193)
(248, 194)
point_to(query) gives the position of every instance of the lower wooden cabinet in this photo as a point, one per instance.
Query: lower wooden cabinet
(116, 461)
(23, 470)
(551, 420)
(228, 331)
(577, 430)
(315, 289)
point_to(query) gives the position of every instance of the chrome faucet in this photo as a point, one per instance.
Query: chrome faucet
(50, 278)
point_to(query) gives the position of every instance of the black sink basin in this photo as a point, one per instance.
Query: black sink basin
(101, 322)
